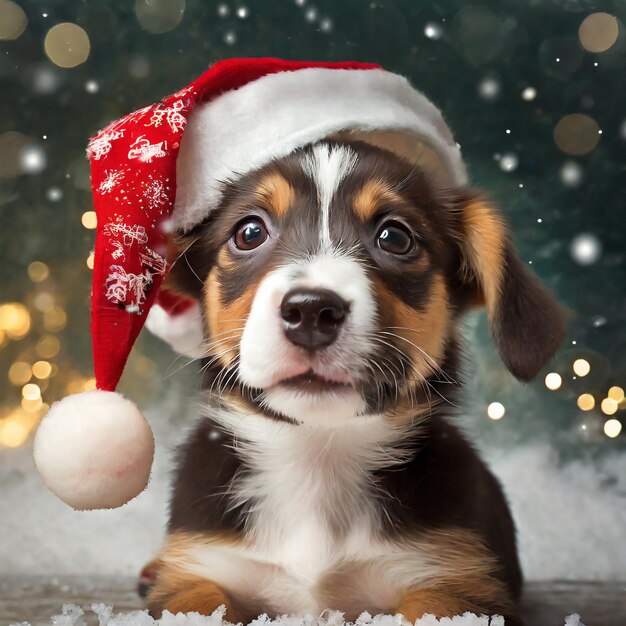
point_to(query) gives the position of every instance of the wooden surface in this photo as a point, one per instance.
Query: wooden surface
(545, 604)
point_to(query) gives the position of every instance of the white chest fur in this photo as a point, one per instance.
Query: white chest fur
(313, 527)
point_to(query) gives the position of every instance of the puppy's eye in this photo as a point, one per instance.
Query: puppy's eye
(249, 234)
(395, 238)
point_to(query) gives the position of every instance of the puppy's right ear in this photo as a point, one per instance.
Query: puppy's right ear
(526, 321)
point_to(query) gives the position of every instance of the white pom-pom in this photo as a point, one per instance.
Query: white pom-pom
(94, 450)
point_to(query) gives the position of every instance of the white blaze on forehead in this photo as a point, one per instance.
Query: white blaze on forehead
(327, 166)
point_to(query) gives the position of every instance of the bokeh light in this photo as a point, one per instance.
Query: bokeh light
(496, 411)
(13, 20)
(598, 32)
(576, 134)
(609, 406)
(48, 346)
(13, 432)
(616, 393)
(586, 402)
(581, 367)
(31, 391)
(89, 219)
(585, 249)
(32, 159)
(159, 16)
(67, 45)
(571, 174)
(433, 30)
(42, 370)
(529, 94)
(14, 320)
(20, 373)
(553, 381)
(612, 428)
(38, 271)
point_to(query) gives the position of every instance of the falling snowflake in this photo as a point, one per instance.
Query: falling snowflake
(122, 286)
(157, 194)
(100, 145)
(172, 115)
(111, 178)
(145, 151)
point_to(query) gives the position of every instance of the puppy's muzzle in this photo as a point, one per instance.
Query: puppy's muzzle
(313, 317)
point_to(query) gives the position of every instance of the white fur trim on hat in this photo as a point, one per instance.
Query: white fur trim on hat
(269, 118)
(182, 331)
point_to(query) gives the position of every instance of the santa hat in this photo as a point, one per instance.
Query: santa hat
(159, 170)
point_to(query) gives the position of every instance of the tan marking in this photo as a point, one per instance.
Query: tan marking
(372, 195)
(276, 191)
(177, 590)
(485, 237)
(226, 322)
(423, 333)
(466, 582)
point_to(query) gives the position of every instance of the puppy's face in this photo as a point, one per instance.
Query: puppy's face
(332, 281)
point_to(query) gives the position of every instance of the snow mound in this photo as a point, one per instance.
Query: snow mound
(72, 615)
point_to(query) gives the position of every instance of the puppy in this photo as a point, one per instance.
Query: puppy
(325, 471)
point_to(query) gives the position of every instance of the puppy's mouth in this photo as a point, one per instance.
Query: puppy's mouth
(313, 383)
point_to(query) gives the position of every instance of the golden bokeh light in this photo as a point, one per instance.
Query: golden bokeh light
(598, 32)
(496, 410)
(608, 406)
(44, 301)
(42, 370)
(586, 402)
(31, 391)
(89, 261)
(159, 16)
(48, 346)
(616, 393)
(3, 338)
(576, 134)
(67, 45)
(89, 220)
(14, 320)
(38, 271)
(55, 319)
(13, 20)
(612, 428)
(581, 367)
(89, 384)
(20, 373)
(13, 432)
(553, 381)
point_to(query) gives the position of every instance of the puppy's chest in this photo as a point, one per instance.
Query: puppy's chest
(311, 503)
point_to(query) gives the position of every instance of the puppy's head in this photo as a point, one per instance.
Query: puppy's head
(332, 282)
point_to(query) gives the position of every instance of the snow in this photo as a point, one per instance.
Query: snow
(570, 516)
(72, 615)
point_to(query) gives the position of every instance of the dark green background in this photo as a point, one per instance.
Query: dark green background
(511, 42)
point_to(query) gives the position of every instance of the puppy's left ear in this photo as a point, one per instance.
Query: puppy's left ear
(525, 320)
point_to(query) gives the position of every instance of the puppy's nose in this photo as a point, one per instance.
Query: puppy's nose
(313, 317)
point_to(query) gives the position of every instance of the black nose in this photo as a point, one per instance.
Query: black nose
(313, 317)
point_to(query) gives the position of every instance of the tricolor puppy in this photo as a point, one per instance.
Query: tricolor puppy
(325, 471)
(324, 226)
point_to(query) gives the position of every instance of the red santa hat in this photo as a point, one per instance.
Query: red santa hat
(160, 170)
